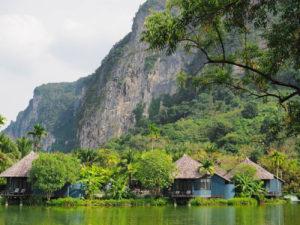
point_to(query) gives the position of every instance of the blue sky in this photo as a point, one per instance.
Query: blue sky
(44, 41)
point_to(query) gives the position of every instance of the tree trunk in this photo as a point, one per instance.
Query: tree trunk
(48, 196)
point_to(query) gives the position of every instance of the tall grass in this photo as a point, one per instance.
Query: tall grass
(223, 202)
(71, 202)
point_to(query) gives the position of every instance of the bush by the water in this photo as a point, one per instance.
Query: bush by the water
(275, 201)
(2, 201)
(71, 202)
(219, 202)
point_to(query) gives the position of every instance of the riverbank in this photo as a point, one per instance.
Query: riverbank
(75, 202)
(70, 202)
(235, 202)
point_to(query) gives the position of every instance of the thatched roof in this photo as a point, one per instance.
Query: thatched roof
(261, 173)
(188, 168)
(21, 168)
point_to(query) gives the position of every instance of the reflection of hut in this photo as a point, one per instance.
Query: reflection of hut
(17, 177)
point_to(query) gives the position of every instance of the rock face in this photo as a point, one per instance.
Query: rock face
(94, 109)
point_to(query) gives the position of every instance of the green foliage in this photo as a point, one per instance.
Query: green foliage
(8, 146)
(155, 170)
(250, 111)
(86, 156)
(222, 202)
(50, 172)
(207, 27)
(5, 162)
(150, 63)
(218, 130)
(275, 201)
(2, 120)
(94, 178)
(71, 202)
(284, 166)
(247, 187)
(24, 145)
(246, 170)
(37, 134)
(119, 188)
(207, 167)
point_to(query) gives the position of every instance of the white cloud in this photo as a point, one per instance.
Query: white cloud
(53, 41)
(23, 39)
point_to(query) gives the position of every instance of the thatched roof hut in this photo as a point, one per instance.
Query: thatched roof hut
(21, 168)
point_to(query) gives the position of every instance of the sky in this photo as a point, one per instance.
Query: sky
(46, 41)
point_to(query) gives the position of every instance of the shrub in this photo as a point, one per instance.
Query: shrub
(250, 111)
(275, 201)
(207, 202)
(221, 202)
(2, 201)
(72, 202)
(242, 201)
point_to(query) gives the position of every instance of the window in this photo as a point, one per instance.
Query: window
(205, 184)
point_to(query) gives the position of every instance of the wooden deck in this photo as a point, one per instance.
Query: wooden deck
(11, 194)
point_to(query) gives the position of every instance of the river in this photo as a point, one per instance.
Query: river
(264, 215)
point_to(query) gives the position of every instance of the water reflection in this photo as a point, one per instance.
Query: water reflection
(268, 215)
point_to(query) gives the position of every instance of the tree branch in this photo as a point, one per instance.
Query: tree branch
(266, 76)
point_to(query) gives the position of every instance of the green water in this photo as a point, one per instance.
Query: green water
(269, 215)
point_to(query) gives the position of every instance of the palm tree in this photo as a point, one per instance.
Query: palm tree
(24, 145)
(37, 134)
(278, 159)
(128, 159)
(87, 156)
(208, 167)
(2, 120)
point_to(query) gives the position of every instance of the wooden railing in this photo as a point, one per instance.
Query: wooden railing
(15, 193)
(182, 194)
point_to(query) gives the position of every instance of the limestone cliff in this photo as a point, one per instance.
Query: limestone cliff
(92, 110)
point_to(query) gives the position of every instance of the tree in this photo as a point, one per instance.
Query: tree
(87, 156)
(8, 146)
(265, 33)
(250, 111)
(37, 134)
(278, 160)
(153, 133)
(207, 167)
(218, 130)
(107, 158)
(50, 172)
(128, 158)
(246, 186)
(155, 170)
(119, 187)
(2, 120)
(24, 145)
(5, 162)
(94, 178)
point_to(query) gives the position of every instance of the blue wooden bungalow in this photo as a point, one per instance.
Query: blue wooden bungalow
(190, 182)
